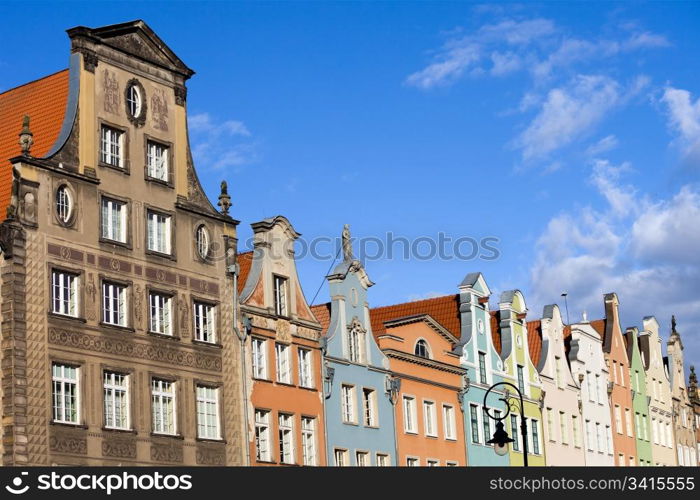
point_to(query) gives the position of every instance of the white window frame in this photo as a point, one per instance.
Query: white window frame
(159, 232)
(356, 345)
(112, 146)
(285, 430)
(65, 296)
(208, 412)
(263, 451)
(259, 354)
(201, 238)
(308, 440)
(429, 418)
(115, 310)
(280, 287)
(432, 462)
(412, 462)
(65, 393)
(369, 407)
(283, 369)
(164, 406)
(306, 367)
(410, 417)
(347, 404)
(204, 318)
(157, 159)
(114, 220)
(64, 204)
(340, 457)
(448, 422)
(160, 313)
(382, 460)
(116, 400)
(362, 458)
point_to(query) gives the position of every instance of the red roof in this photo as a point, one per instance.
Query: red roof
(534, 340)
(245, 260)
(44, 100)
(496, 330)
(322, 312)
(444, 310)
(599, 326)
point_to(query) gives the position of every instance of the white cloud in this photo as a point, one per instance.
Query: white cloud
(684, 119)
(648, 254)
(604, 145)
(504, 63)
(220, 145)
(567, 113)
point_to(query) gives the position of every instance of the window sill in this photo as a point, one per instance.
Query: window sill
(164, 336)
(179, 437)
(210, 440)
(411, 433)
(66, 317)
(68, 424)
(351, 423)
(312, 389)
(159, 182)
(267, 462)
(115, 243)
(285, 384)
(119, 431)
(204, 343)
(117, 328)
(258, 379)
(122, 170)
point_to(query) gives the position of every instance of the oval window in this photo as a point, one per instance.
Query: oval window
(202, 241)
(64, 204)
(134, 100)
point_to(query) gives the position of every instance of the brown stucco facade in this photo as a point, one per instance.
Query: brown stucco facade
(39, 244)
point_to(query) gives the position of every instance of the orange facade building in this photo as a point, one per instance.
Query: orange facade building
(619, 388)
(420, 349)
(283, 357)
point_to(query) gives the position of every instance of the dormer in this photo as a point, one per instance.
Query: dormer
(512, 312)
(553, 361)
(474, 295)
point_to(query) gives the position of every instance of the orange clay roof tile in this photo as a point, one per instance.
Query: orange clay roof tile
(444, 310)
(322, 312)
(245, 260)
(534, 340)
(44, 100)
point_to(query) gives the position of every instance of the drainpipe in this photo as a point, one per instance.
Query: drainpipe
(234, 269)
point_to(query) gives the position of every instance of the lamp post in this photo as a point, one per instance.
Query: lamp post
(500, 437)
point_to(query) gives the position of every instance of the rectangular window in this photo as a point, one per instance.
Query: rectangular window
(599, 437)
(431, 462)
(341, 457)
(114, 220)
(550, 423)
(382, 460)
(112, 146)
(369, 404)
(159, 232)
(599, 389)
(618, 419)
(609, 439)
(558, 376)
(409, 414)
(163, 406)
(262, 436)
(362, 459)
(208, 412)
(451, 463)
(282, 368)
(515, 432)
(259, 358)
(160, 306)
(637, 425)
(204, 322)
(448, 421)
(412, 462)
(66, 399)
(356, 343)
(348, 404)
(474, 423)
(157, 161)
(589, 435)
(577, 431)
(64, 293)
(116, 400)
(645, 427)
(636, 380)
(628, 421)
(114, 304)
(280, 293)
(621, 380)
(306, 373)
(482, 368)
(521, 380)
(308, 440)
(563, 428)
(614, 371)
(535, 437)
(591, 389)
(486, 422)
(286, 438)
(429, 418)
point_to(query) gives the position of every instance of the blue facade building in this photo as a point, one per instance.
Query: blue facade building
(357, 384)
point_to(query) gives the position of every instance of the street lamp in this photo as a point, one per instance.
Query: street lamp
(501, 439)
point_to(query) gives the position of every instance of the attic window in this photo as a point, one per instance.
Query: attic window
(135, 99)
(422, 349)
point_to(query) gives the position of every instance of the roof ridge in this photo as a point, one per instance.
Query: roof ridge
(33, 81)
(429, 299)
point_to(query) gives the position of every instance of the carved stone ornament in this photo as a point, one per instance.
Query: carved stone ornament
(112, 97)
(137, 306)
(159, 110)
(184, 315)
(166, 452)
(119, 448)
(89, 60)
(90, 294)
(69, 444)
(138, 119)
(180, 95)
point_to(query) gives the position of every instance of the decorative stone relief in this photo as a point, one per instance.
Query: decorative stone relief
(119, 448)
(184, 316)
(64, 443)
(166, 453)
(159, 110)
(90, 294)
(211, 455)
(112, 97)
(138, 313)
(283, 330)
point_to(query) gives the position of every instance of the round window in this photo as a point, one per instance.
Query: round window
(202, 241)
(64, 204)
(480, 325)
(133, 100)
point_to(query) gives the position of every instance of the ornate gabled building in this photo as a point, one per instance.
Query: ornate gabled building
(589, 369)
(117, 272)
(519, 369)
(563, 441)
(683, 414)
(694, 395)
(284, 381)
(640, 399)
(618, 382)
(420, 340)
(485, 367)
(659, 393)
(358, 388)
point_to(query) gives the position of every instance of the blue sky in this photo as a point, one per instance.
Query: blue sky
(569, 131)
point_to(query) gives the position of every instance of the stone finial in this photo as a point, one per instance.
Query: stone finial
(347, 244)
(673, 323)
(224, 198)
(26, 138)
(585, 316)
